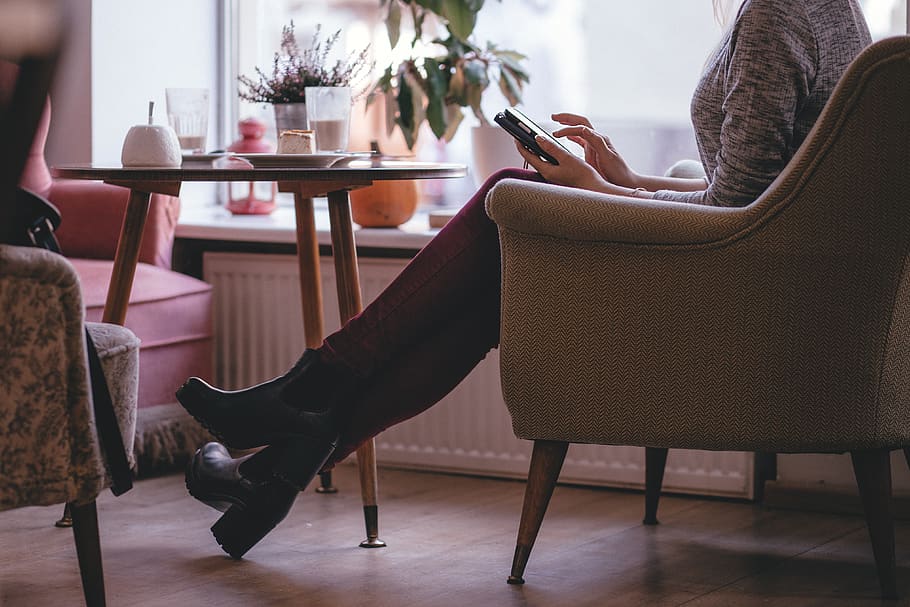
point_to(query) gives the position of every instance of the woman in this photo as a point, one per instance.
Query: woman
(761, 92)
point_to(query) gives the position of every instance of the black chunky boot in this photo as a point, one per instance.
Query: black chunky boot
(299, 404)
(245, 489)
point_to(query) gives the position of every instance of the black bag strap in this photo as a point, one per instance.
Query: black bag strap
(32, 222)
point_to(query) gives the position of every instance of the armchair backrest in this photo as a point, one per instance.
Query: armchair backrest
(843, 203)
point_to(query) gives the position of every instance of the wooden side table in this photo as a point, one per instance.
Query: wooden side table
(305, 184)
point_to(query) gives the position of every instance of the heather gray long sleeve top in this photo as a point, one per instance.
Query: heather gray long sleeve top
(763, 90)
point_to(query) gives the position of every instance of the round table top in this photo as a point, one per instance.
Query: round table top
(357, 171)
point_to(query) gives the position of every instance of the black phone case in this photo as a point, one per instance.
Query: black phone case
(524, 137)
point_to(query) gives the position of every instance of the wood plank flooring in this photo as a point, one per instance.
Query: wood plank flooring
(450, 543)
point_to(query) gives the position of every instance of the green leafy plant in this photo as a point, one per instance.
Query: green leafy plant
(437, 88)
(294, 69)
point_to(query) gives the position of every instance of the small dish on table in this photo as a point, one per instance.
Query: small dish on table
(275, 161)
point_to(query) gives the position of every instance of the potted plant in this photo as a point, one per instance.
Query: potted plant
(294, 69)
(438, 88)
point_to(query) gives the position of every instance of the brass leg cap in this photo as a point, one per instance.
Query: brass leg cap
(516, 580)
(64, 523)
(330, 489)
(372, 542)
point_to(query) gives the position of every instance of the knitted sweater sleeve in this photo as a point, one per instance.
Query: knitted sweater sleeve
(763, 76)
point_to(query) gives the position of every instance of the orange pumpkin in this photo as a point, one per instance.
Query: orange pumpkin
(385, 204)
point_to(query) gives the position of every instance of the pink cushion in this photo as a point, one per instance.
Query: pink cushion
(93, 214)
(169, 312)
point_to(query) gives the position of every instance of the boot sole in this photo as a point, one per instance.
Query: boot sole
(240, 529)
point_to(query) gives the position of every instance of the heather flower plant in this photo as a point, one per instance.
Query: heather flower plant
(294, 69)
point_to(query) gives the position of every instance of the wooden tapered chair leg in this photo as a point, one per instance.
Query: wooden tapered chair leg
(88, 552)
(546, 462)
(873, 477)
(655, 462)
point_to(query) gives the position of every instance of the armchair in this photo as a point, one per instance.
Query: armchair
(49, 449)
(782, 326)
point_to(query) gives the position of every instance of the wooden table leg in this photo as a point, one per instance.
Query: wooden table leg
(310, 291)
(126, 258)
(347, 279)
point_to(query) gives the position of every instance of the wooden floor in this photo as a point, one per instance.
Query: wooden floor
(450, 543)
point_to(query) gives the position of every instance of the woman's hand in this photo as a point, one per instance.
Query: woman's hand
(599, 151)
(571, 170)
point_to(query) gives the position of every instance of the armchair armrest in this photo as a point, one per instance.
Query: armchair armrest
(93, 214)
(548, 210)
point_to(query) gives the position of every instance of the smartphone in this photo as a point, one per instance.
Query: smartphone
(524, 130)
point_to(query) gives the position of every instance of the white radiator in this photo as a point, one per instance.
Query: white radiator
(259, 334)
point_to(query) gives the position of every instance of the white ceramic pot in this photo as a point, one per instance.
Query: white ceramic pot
(151, 145)
(492, 149)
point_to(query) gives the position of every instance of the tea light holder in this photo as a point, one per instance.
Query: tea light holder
(253, 197)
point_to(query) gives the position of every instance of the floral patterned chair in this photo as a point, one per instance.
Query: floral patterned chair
(49, 449)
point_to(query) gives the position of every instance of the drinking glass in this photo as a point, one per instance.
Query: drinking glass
(328, 111)
(188, 114)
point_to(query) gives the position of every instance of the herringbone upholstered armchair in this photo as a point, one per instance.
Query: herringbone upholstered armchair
(782, 326)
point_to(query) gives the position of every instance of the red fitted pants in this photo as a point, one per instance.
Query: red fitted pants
(425, 332)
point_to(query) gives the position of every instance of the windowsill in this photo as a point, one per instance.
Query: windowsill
(212, 222)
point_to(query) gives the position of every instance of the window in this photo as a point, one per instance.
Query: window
(630, 66)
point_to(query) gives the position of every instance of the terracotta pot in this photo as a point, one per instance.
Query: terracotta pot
(385, 204)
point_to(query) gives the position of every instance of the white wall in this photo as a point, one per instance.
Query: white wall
(139, 48)
(119, 56)
(70, 137)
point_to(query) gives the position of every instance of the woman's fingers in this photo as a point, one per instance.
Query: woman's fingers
(542, 166)
(586, 134)
(571, 170)
(571, 119)
(532, 159)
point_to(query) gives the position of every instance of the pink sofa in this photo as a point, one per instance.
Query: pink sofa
(169, 312)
